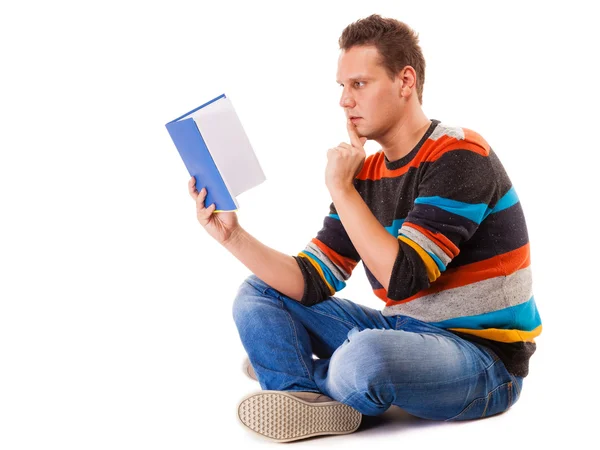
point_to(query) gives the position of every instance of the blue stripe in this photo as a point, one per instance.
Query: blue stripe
(331, 279)
(395, 227)
(437, 260)
(520, 317)
(474, 212)
(509, 199)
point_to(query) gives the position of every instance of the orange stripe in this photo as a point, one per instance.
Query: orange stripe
(382, 294)
(438, 238)
(347, 264)
(476, 138)
(501, 265)
(456, 145)
(374, 167)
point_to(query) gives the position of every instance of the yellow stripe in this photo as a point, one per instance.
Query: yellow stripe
(500, 335)
(433, 272)
(316, 266)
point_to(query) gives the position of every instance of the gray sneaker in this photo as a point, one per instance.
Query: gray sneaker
(284, 416)
(248, 369)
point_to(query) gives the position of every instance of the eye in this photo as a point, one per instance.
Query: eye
(355, 83)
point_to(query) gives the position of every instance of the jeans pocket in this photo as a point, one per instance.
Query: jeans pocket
(497, 401)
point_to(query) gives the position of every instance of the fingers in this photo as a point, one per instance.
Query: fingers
(354, 139)
(202, 212)
(192, 188)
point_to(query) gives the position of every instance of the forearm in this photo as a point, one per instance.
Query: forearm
(278, 270)
(377, 248)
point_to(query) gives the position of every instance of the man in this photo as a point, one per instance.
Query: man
(442, 236)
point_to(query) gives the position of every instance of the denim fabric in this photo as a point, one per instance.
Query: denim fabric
(366, 360)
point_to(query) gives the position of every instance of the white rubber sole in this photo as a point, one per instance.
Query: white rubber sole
(282, 417)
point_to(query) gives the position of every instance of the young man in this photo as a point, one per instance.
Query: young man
(442, 236)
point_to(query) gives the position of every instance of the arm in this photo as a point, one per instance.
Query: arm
(377, 248)
(327, 261)
(278, 270)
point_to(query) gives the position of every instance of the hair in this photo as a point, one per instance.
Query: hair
(395, 41)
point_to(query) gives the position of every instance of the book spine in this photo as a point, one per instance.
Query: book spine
(200, 164)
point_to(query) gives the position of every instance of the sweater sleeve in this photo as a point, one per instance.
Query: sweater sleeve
(456, 191)
(327, 261)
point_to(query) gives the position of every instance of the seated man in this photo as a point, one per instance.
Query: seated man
(443, 240)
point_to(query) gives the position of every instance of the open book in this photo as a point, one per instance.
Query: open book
(216, 151)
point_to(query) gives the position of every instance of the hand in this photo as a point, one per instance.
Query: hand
(345, 161)
(221, 226)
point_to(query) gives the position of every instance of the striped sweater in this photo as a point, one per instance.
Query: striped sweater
(463, 262)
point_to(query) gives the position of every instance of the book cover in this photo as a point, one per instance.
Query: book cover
(216, 151)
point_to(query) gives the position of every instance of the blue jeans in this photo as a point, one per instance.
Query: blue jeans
(367, 360)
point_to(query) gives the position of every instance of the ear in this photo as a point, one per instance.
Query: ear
(408, 81)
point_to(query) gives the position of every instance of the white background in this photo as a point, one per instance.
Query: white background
(115, 305)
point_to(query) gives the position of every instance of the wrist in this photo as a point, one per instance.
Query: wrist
(234, 237)
(341, 190)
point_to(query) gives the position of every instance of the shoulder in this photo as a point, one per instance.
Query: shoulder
(446, 138)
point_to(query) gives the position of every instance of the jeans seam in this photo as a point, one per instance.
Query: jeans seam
(494, 357)
(400, 322)
(291, 321)
(515, 384)
(487, 398)
(487, 402)
(464, 411)
(352, 325)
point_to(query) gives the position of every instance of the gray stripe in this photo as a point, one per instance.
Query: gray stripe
(441, 130)
(337, 272)
(471, 300)
(425, 243)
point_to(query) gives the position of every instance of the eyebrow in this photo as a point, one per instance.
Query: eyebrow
(356, 78)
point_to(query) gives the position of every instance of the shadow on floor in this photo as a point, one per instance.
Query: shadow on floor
(394, 418)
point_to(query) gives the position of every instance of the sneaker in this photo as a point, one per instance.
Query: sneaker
(248, 369)
(284, 416)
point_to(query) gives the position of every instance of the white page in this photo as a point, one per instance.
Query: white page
(229, 146)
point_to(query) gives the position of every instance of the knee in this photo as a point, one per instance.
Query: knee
(249, 298)
(363, 360)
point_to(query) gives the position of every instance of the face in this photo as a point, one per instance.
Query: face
(368, 92)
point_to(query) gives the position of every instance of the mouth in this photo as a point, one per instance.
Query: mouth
(355, 119)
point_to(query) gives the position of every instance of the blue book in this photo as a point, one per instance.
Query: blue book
(216, 151)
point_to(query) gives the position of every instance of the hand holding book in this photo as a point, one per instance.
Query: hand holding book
(220, 226)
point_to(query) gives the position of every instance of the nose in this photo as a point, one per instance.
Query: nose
(347, 101)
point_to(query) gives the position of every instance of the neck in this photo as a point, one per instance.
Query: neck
(404, 135)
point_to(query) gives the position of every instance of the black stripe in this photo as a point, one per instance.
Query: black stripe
(389, 198)
(315, 289)
(461, 175)
(409, 275)
(514, 355)
(454, 227)
(499, 233)
(334, 235)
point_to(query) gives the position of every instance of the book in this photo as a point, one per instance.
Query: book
(217, 152)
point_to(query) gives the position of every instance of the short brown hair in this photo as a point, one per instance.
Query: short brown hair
(396, 42)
